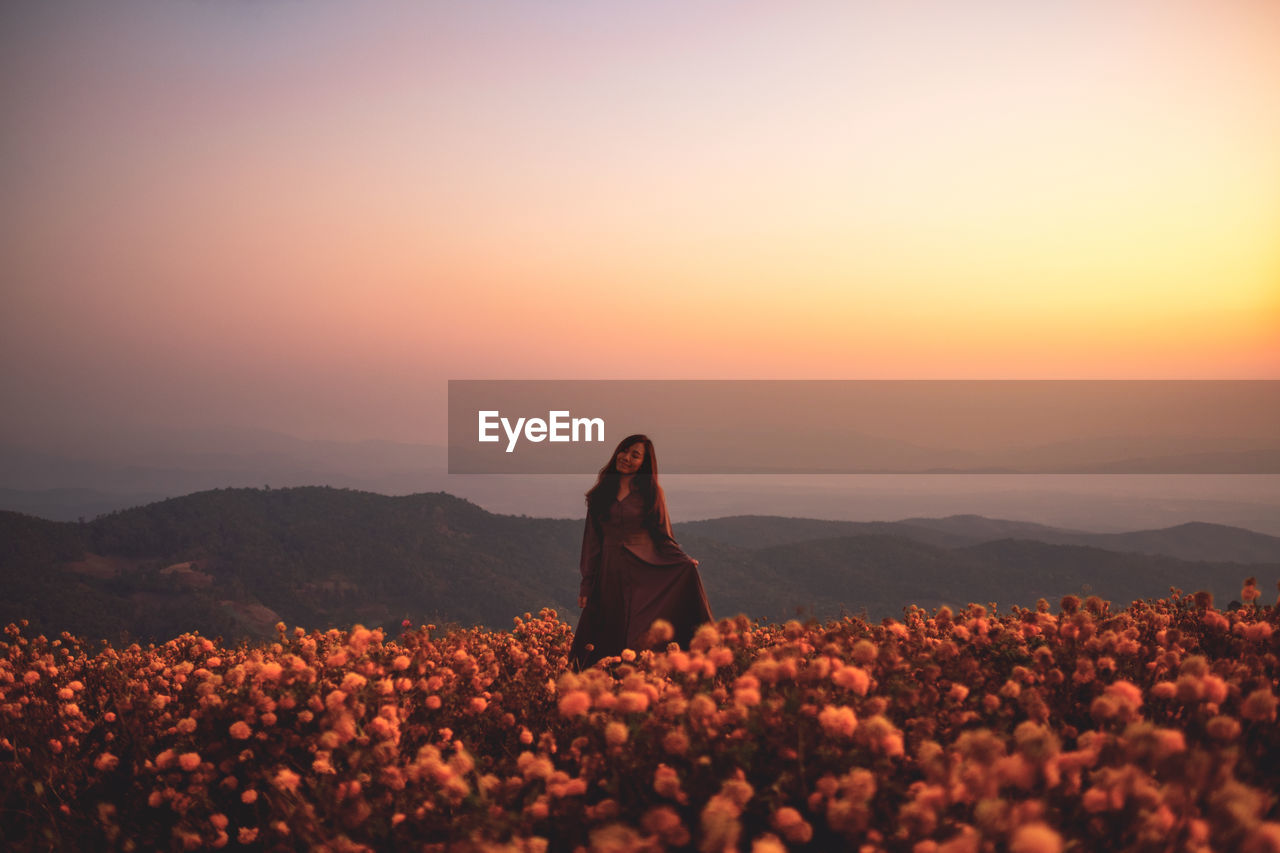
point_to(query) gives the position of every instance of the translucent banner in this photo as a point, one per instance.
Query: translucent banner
(872, 427)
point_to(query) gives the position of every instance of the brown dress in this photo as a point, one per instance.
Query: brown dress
(631, 577)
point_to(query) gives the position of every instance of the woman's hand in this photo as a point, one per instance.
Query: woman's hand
(695, 562)
(582, 601)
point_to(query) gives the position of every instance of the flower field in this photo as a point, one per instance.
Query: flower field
(1075, 727)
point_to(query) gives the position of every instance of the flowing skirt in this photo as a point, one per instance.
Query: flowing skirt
(629, 594)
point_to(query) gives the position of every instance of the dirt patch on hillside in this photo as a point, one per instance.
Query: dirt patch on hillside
(99, 566)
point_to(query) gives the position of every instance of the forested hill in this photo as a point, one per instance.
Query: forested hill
(235, 561)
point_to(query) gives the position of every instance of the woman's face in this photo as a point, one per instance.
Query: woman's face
(630, 458)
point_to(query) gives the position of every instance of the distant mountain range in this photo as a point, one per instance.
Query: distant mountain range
(1194, 541)
(234, 561)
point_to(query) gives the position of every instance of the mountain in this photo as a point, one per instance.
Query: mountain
(972, 529)
(1195, 541)
(71, 504)
(1191, 541)
(760, 531)
(234, 561)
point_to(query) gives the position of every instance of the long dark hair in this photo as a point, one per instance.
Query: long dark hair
(601, 496)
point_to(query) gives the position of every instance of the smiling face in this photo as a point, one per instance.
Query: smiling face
(629, 459)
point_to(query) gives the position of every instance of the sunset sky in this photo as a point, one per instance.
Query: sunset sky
(308, 215)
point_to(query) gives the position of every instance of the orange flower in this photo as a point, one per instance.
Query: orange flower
(793, 827)
(189, 761)
(864, 652)
(575, 703)
(1257, 631)
(661, 631)
(1249, 593)
(675, 741)
(1223, 728)
(270, 671)
(664, 822)
(633, 701)
(720, 826)
(768, 843)
(1127, 695)
(616, 734)
(666, 781)
(1259, 706)
(286, 780)
(837, 722)
(1035, 838)
(853, 678)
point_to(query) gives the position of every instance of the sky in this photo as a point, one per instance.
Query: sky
(309, 216)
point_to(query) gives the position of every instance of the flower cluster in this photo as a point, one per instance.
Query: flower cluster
(1034, 731)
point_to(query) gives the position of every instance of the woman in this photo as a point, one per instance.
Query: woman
(633, 571)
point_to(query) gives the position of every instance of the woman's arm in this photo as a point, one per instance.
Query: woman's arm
(589, 562)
